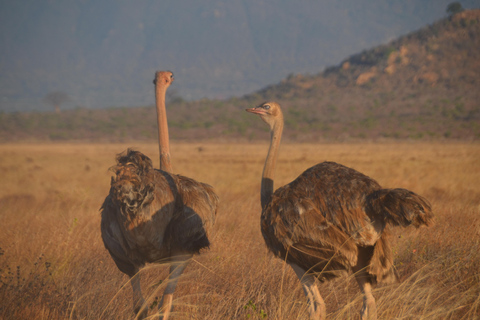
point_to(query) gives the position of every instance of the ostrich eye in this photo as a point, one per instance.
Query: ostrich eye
(266, 107)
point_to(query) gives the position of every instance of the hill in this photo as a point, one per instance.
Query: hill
(423, 85)
(103, 53)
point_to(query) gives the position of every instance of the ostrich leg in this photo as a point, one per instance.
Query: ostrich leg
(369, 309)
(316, 305)
(138, 300)
(179, 263)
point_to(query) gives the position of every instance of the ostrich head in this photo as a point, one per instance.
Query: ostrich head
(163, 77)
(270, 112)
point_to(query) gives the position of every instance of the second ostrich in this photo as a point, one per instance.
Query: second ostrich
(155, 216)
(331, 220)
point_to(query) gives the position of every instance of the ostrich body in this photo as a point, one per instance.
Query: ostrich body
(332, 220)
(155, 216)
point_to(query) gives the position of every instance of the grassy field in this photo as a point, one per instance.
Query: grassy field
(53, 264)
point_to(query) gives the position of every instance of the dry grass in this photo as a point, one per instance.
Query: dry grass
(53, 264)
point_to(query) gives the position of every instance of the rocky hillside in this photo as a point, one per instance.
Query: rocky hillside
(423, 85)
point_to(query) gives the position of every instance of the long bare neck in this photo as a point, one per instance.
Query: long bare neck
(268, 175)
(163, 139)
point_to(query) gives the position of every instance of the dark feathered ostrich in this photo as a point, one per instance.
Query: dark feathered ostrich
(332, 220)
(155, 216)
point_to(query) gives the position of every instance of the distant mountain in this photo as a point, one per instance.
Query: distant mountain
(105, 53)
(423, 85)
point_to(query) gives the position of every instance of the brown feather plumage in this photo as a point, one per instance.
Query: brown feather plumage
(333, 210)
(150, 214)
(155, 216)
(333, 219)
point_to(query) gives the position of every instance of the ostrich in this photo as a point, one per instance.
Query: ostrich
(155, 216)
(331, 220)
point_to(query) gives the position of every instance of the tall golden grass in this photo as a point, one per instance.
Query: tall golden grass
(53, 264)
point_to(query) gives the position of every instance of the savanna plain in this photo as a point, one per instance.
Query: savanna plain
(53, 264)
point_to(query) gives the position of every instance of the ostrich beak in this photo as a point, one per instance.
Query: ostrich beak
(256, 110)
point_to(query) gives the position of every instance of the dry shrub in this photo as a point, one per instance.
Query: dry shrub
(53, 264)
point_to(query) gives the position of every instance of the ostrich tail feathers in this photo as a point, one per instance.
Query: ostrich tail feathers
(135, 160)
(132, 187)
(400, 207)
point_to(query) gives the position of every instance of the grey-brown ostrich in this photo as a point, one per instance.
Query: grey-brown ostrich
(332, 220)
(155, 216)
